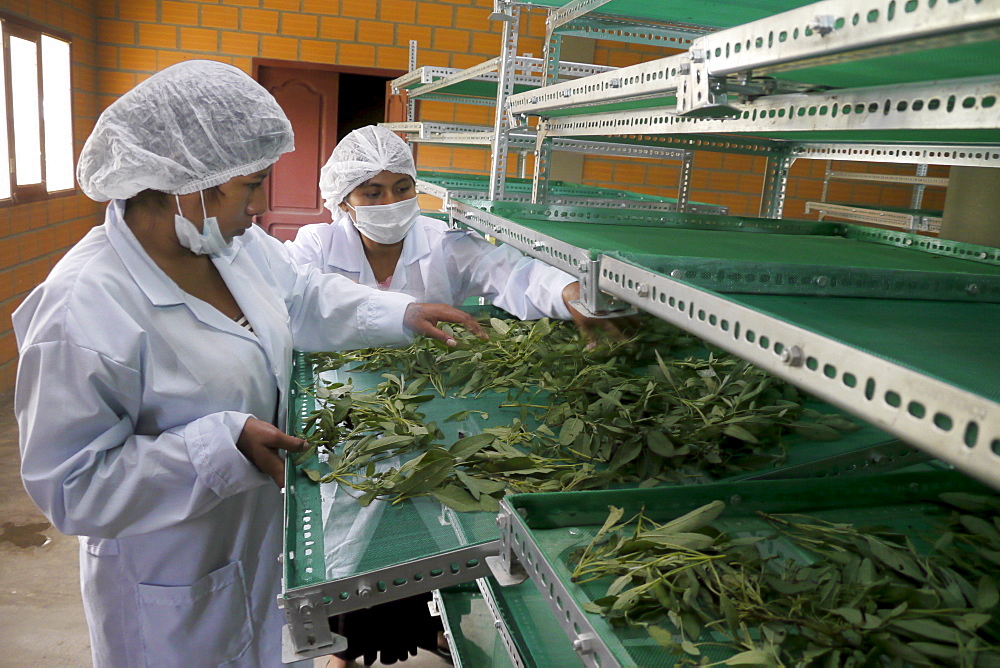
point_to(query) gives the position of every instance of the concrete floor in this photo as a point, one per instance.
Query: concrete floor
(41, 614)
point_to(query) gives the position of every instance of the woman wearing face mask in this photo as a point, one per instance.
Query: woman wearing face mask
(154, 365)
(378, 238)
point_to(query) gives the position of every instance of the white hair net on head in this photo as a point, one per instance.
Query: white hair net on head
(359, 156)
(189, 127)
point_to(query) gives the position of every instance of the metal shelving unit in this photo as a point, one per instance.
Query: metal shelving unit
(824, 310)
(718, 88)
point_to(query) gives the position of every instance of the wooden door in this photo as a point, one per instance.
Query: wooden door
(309, 99)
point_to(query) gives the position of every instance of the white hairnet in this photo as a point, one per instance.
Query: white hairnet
(189, 127)
(359, 156)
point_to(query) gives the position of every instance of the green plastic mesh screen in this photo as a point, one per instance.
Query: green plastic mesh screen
(470, 622)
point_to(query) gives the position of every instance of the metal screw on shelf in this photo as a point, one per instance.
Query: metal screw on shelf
(822, 281)
(677, 273)
(364, 591)
(642, 290)
(972, 289)
(735, 500)
(907, 242)
(792, 356)
(582, 644)
(502, 521)
(538, 245)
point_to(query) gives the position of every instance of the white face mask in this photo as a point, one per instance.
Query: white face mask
(208, 242)
(386, 223)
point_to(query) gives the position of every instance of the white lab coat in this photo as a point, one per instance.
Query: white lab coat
(441, 265)
(130, 397)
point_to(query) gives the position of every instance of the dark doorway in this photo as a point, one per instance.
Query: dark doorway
(362, 102)
(323, 104)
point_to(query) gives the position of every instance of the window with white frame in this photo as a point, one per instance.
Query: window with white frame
(36, 118)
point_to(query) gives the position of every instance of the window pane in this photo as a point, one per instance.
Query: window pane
(57, 109)
(27, 130)
(4, 155)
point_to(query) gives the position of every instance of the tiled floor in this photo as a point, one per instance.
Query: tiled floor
(41, 616)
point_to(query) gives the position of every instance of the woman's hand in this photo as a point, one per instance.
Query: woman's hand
(423, 319)
(260, 441)
(613, 328)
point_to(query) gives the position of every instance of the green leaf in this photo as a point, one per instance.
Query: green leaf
(987, 596)
(696, 519)
(751, 657)
(425, 478)
(815, 432)
(571, 428)
(456, 498)
(926, 628)
(464, 448)
(613, 518)
(852, 615)
(660, 444)
(663, 638)
(736, 431)
(499, 326)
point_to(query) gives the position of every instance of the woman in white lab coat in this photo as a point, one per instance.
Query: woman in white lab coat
(154, 362)
(378, 238)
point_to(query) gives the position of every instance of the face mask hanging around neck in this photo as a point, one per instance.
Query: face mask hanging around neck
(386, 223)
(207, 242)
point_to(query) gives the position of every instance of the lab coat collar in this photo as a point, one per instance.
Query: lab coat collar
(159, 288)
(156, 285)
(345, 252)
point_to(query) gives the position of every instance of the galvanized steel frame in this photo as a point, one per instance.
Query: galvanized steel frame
(918, 106)
(574, 622)
(669, 35)
(307, 609)
(969, 155)
(817, 34)
(901, 219)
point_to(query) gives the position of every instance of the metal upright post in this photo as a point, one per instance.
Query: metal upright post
(411, 105)
(505, 87)
(772, 200)
(684, 185)
(540, 178)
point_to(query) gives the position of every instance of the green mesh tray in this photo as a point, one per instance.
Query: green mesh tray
(475, 641)
(397, 534)
(481, 183)
(555, 525)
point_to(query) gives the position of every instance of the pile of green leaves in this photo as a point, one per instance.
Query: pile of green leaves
(360, 430)
(865, 596)
(628, 412)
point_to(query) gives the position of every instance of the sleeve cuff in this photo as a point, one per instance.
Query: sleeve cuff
(211, 443)
(382, 319)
